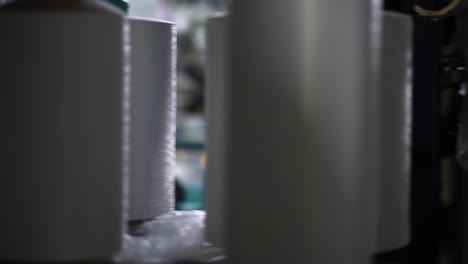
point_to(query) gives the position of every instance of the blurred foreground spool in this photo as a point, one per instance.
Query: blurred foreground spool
(61, 104)
(302, 131)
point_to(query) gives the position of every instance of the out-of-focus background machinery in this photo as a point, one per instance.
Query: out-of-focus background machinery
(438, 191)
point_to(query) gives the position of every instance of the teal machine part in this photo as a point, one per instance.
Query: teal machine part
(121, 4)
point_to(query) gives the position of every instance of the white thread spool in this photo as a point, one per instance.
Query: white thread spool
(152, 119)
(217, 65)
(302, 131)
(396, 132)
(61, 99)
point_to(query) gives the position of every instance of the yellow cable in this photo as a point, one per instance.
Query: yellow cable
(429, 13)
